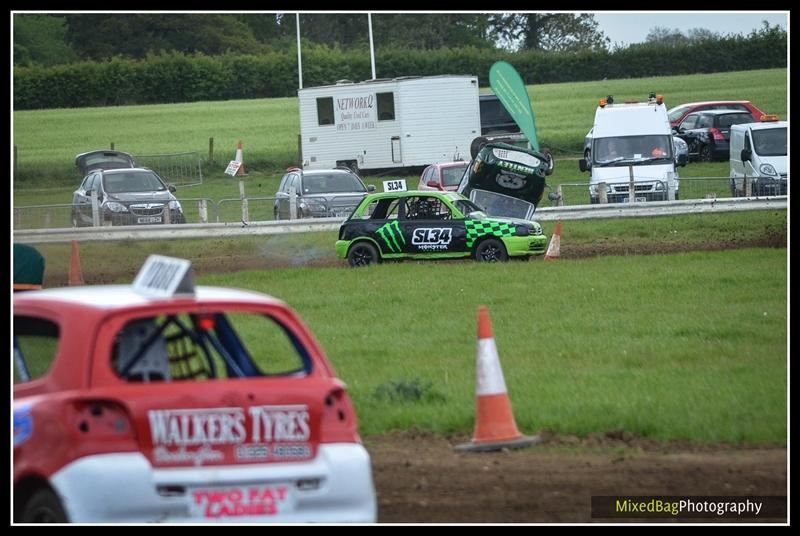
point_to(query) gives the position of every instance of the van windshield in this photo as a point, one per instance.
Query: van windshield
(770, 142)
(624, 150)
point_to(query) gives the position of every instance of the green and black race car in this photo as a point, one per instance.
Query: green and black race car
(432, 225)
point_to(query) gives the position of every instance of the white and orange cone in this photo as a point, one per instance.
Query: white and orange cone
(75, 274)
(554, 249)
(495, 427)
(242, 171)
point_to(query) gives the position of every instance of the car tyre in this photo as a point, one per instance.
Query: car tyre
(476, 146)
(704, 153)
(43, 507)
(491, 250)
(362, 254)
(551, 163)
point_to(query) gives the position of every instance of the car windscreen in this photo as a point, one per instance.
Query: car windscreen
(132, 182)
(451, 176)
(625, 149)
(332, 183)
(770, 142)
(676, 113)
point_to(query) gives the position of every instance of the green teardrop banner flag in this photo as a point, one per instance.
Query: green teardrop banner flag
(510, 89)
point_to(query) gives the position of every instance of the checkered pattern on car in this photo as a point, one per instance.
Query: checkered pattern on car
(479, 228)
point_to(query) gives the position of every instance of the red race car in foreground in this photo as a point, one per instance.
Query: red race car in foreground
(162, 402)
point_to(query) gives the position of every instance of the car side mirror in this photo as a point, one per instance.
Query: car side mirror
(583, 164)
(682, 160)
(370, 187)
(171, 187)
(746, 155)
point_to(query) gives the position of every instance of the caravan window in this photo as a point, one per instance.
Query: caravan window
(325, 111)
(385, 106)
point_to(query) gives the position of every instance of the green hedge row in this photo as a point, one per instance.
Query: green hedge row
(173, 77)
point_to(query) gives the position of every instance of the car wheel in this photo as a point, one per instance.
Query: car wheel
(43, 507)
(734, 193)
(704, 153)
(363, 254)
(491, 250)
(476, 146)
(551, 163)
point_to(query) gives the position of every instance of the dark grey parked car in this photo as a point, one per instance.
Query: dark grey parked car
(126, 196)
(321, 193)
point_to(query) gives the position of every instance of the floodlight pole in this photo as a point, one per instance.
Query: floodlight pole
(299, 58)
(371, 47)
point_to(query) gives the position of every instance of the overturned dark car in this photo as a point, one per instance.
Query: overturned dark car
(506, 180)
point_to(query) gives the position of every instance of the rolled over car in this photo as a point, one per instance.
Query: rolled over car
(499, 169)
(165, 402)
(433, 225)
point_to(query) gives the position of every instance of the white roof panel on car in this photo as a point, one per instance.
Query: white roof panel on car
(122, 296)
(765, 125)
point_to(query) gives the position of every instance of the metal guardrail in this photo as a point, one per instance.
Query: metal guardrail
(583, 212)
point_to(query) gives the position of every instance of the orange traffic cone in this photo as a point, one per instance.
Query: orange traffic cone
(75, 275)
(554, 249)
(242, 171)
(495, 428)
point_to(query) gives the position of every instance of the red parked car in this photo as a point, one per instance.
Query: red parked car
(678, 113)
(442, 177)
(161, 402)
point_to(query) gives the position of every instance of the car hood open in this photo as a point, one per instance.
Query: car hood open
(103, 159)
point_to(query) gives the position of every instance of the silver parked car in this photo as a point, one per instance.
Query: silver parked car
(320, 193)
(125, 196)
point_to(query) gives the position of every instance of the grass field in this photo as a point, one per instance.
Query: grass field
(690, 345)
(48, 140)
(667, 346)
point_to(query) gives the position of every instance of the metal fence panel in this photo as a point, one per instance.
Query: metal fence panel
(180, 169)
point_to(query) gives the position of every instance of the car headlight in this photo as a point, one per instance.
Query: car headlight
(767, 169)
(116, 207)
(175, 205)
(659, 186)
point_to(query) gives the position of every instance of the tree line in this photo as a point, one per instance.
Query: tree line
(56, 39)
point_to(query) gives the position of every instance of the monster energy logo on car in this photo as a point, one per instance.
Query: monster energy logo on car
(478, 228)
(388, 232)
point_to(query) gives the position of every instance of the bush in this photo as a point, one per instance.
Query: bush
(175, 77)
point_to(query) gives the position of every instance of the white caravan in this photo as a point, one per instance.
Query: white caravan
(758, 152)
(632, 137)
(389, 123)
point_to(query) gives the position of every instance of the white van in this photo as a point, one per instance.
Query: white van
(633, 136)
(389, 123)
(758, 152)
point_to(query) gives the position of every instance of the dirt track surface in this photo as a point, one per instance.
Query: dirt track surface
(420, 479)
(275, 258)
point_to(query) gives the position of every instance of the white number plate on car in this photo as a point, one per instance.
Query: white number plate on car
(240, 501)
(398, 185)
(149, 219)
(638, 199)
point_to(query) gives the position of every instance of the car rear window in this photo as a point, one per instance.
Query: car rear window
(451, 176)
(727, 120)
(207, 346)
